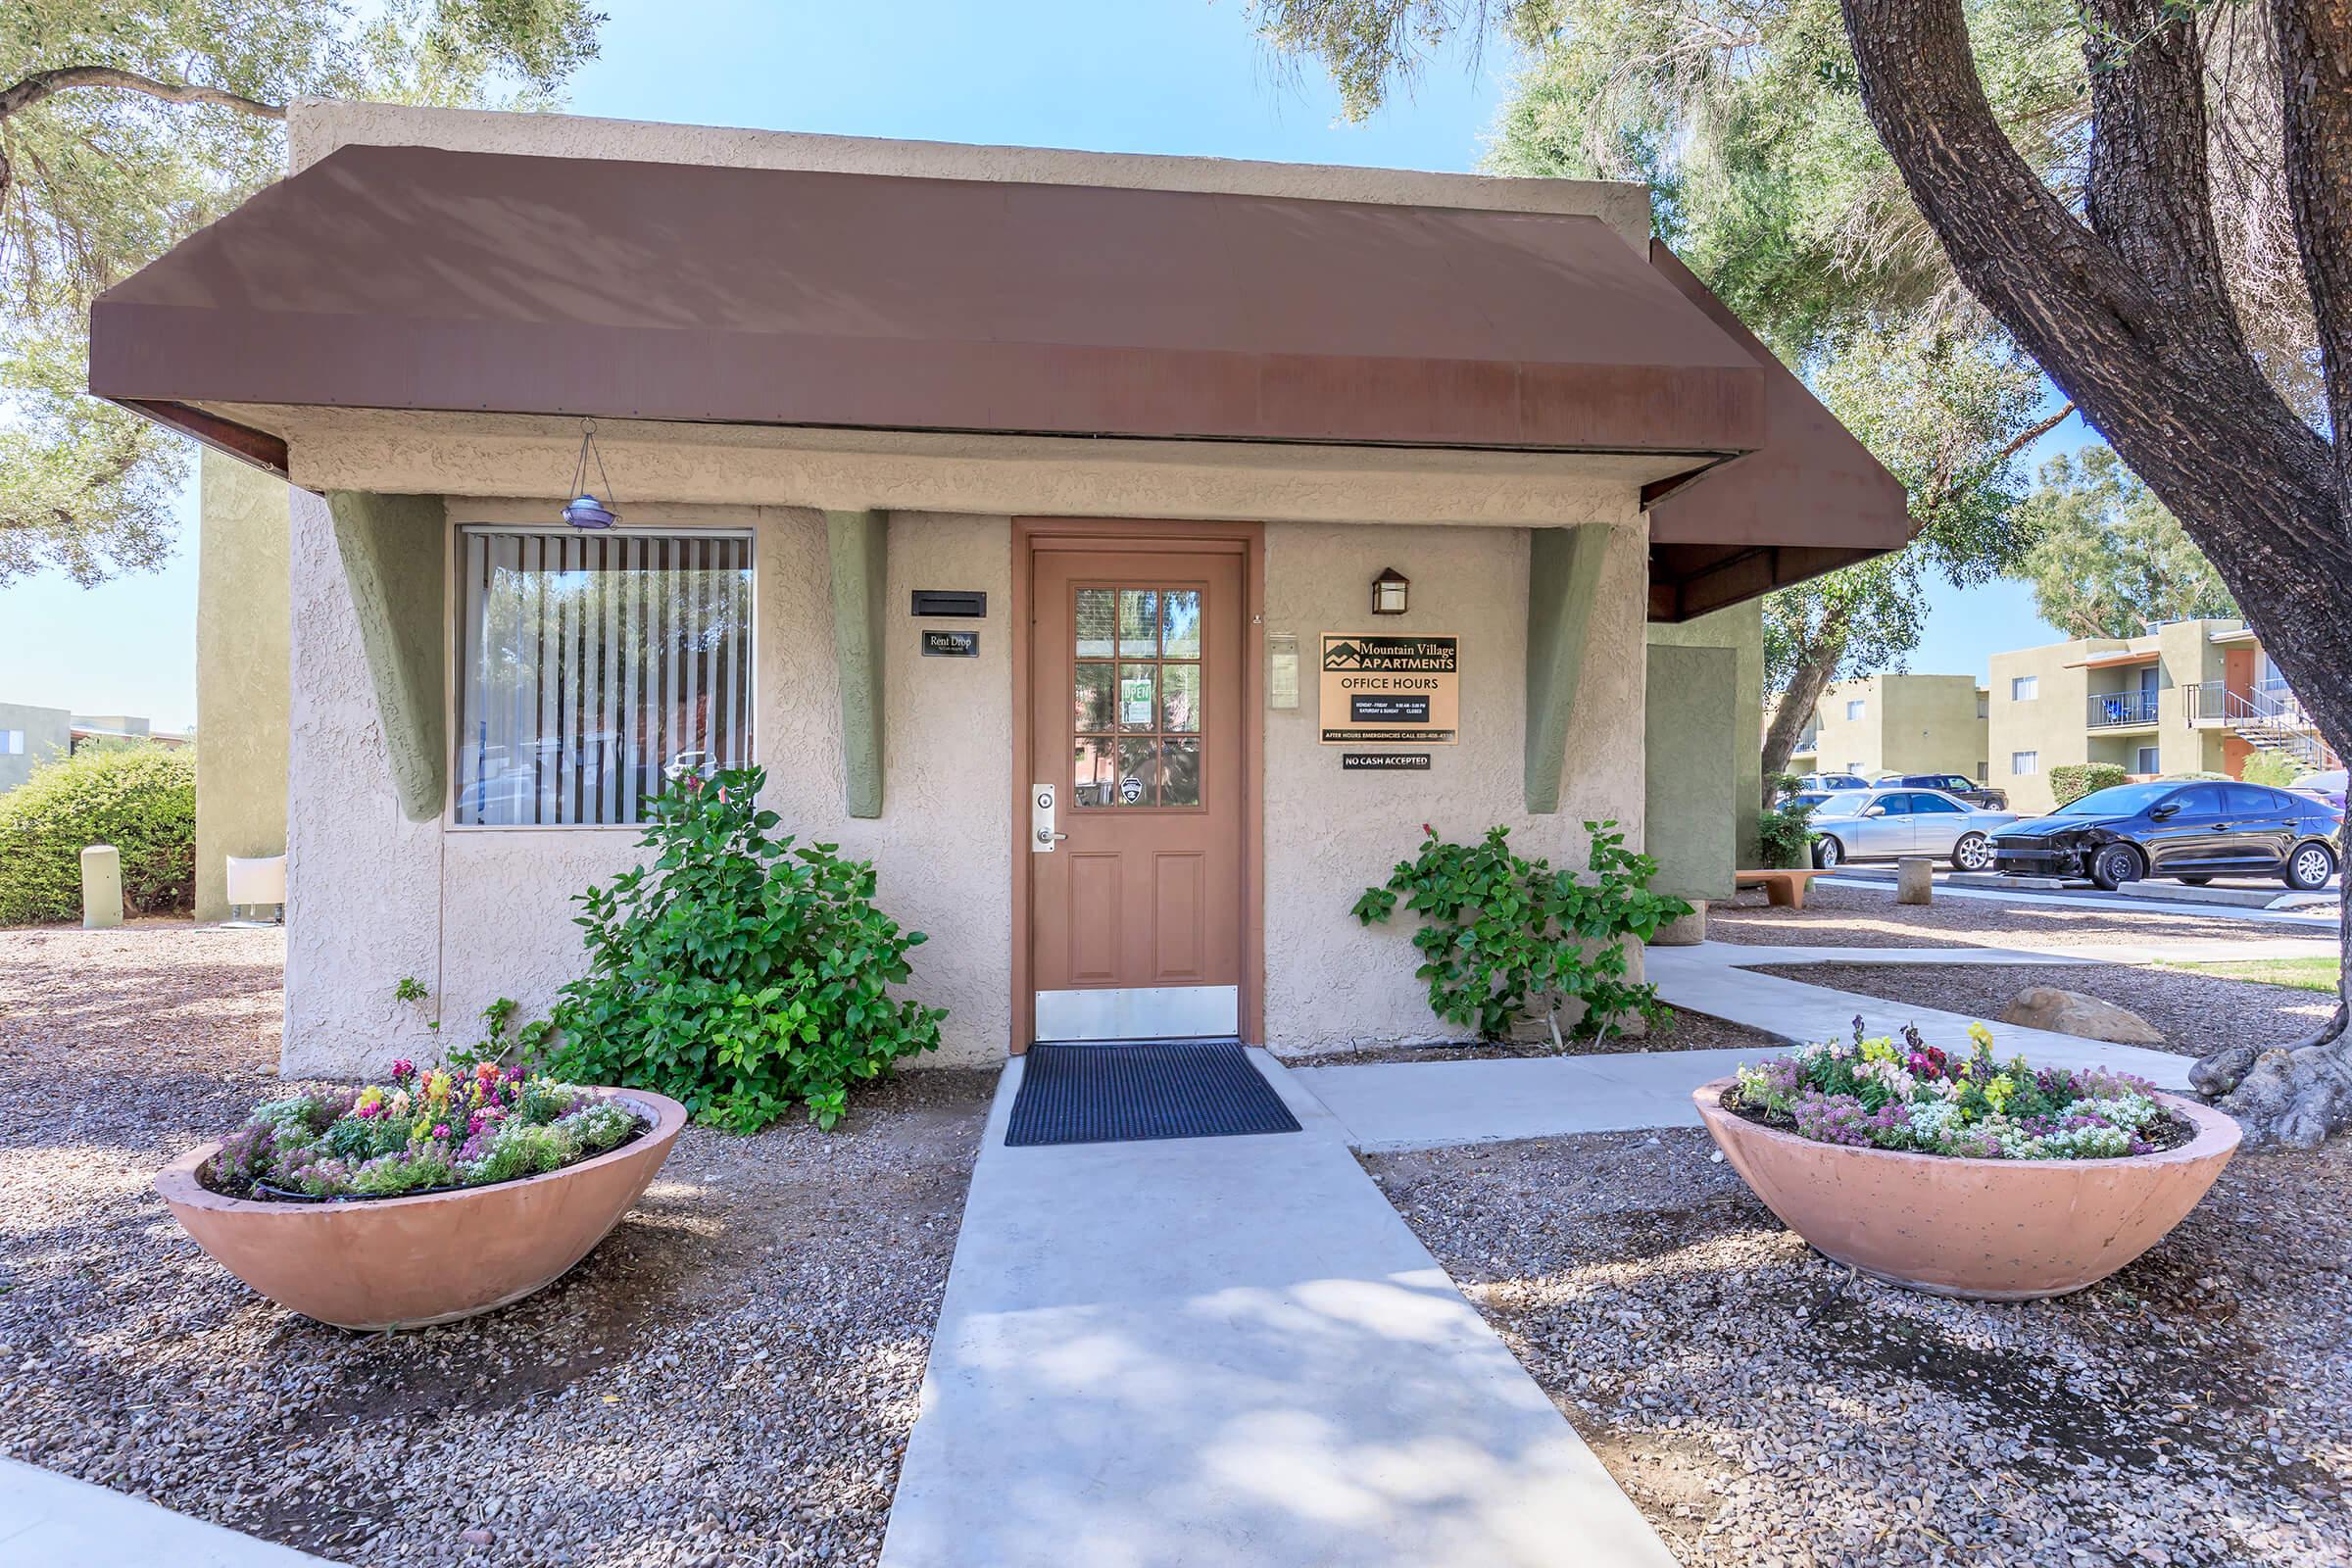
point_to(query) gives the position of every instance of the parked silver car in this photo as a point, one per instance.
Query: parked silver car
(1884, 825)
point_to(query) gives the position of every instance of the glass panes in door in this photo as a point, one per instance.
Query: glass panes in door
(1135, 712)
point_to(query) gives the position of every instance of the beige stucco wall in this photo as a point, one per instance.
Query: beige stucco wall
(479, 914)
(244, 623)
(1330, 983)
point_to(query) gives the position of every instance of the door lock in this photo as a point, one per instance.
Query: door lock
(1043, 836)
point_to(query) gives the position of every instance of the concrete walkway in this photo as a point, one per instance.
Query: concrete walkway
(2091, 900)
(1389, 1107)
(1224, 1351)
(57, 1522)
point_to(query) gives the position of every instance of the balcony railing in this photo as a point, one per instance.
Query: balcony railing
(2268, 705)
(2122, 710)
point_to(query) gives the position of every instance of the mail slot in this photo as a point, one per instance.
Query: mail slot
(970, 604)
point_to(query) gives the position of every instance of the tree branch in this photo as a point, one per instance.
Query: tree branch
(1984, 470)
(42, 84)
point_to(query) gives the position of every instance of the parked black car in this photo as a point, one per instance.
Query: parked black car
(1957, 785)
(2193, 832)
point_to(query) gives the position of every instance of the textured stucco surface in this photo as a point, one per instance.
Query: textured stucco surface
(395, 566)
(858, 546)
(244, 622)
(479, 914)
(526, 455)
(1690, 774)
(1740, 629)
(1563, 578)
(317, 127)
(1330, 983)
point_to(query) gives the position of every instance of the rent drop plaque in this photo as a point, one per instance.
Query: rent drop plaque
(1403, 690)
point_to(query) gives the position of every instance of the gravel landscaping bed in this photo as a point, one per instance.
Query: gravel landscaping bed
(1682, 1031)
(1761, 1407)
(2198, 1013)
(729, 1379)
(1868, 917)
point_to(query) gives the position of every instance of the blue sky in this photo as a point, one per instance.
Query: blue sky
(1136, 75)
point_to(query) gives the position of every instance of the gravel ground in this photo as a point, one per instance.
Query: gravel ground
(2198, 1013)
(1868, 917)
(1682, 1031)
(729, 1378)
(1764, 1408)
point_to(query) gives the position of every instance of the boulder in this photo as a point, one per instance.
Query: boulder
(2071, 1012)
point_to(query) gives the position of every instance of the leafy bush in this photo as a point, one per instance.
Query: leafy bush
(140, 799)
(1784, 836)
(2075, 780)
(1779, 785)
(1908, 1095)
(738, 974)
(2269, 767)
(1504, 938)
(424, 1130)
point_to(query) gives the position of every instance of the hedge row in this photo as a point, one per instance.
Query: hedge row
(140, 799)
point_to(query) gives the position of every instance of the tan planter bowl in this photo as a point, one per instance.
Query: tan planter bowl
(403, 1262)
(2000, 1230)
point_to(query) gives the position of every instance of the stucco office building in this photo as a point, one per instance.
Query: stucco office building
(952, 479)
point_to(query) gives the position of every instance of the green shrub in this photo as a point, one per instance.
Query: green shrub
(738, 974)
(1784, 837)
(1503, 938)
(2075, 780)
(2269, 767)
(140, 799)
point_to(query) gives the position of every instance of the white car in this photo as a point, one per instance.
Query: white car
(1886, 824)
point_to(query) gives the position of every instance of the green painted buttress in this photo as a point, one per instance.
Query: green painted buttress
(395, 552)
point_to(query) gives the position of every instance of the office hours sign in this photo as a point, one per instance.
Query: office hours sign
(1376, 689)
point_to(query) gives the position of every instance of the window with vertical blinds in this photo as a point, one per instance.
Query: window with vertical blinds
(595, 669)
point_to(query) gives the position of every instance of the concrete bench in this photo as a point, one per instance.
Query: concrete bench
(1783, 889)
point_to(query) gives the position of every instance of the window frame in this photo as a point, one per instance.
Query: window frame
(2025, 688)
(454, 633)
(2033, 771)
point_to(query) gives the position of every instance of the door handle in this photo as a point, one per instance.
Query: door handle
(1043, 835)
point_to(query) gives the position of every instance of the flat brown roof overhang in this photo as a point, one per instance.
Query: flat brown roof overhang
(413, 277)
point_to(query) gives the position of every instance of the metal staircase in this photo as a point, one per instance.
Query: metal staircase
(2271, 719)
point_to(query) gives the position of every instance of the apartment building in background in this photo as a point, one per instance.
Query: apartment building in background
(1898, 724)
(2186, 696)
(31, 735)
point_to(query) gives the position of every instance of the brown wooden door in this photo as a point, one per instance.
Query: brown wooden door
(1135, 720)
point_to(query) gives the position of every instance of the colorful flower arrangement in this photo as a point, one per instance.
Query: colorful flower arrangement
(1907, 1094)
(436, 1128)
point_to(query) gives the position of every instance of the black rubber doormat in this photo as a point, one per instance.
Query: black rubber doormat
(1113, 1094)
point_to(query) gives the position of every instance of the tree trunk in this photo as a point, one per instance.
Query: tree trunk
(1807, 684)
(2130, 320)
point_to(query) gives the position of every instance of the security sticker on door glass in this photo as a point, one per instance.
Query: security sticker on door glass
(1382, 688)
(1131, 789)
